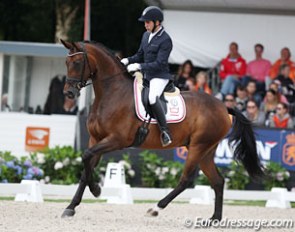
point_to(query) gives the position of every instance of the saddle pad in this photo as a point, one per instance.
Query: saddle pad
(176, 110)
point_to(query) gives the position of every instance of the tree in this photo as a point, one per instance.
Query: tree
(113, 23)
(27, 20)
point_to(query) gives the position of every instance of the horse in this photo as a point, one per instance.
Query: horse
(112, 125)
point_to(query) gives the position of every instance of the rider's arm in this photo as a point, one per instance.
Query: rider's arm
(138, 57)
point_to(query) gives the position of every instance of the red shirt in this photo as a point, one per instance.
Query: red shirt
(231, 66)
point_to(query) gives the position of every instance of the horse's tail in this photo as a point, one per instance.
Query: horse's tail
(242, 135)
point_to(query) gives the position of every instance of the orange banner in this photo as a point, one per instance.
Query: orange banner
(37, 138)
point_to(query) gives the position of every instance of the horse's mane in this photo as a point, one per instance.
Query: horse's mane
(110, 53)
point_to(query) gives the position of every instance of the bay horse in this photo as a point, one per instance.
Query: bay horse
(112, 125)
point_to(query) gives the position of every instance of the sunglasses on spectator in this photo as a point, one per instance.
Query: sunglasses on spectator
(279, 108)
(229, 100)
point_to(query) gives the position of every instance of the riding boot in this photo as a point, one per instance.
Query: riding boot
(159, 115)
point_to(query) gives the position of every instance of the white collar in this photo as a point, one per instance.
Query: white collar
(154, 33)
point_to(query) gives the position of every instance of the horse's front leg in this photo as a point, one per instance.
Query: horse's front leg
(70, 210)
(105, 145)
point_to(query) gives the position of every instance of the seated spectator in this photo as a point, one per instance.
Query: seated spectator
(252, 92)
(281, 119)
(229, 101)
(202, 83)
(241, 98)
(185, 72)
(287, 85)
(253, 113)
(270, 104)
(232, 68)
(285, 59)
(4, 103)
(190, 84)
(258, 69)
(276, 86)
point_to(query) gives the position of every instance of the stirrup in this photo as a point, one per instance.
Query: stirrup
(165, 139)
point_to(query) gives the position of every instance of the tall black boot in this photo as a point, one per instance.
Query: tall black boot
(159, 114)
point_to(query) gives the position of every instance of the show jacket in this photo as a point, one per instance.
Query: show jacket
(153, 56)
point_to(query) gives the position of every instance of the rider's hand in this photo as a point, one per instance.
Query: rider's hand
(125, 61)
(133, 67)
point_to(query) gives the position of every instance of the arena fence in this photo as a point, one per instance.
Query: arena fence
(33, 191)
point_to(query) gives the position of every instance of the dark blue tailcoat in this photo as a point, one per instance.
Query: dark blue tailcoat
(153, 56)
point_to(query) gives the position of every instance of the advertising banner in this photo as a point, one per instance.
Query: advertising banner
(272, 145)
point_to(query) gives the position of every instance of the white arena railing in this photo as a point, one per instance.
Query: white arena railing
(33, 191)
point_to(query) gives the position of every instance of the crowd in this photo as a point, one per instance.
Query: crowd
(263, 92)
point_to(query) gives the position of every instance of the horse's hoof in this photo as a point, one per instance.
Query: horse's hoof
(215, 218)
(68, 213)
(95, 190)
(152, 213)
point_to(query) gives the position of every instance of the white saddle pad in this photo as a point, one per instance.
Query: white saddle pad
(176, 110)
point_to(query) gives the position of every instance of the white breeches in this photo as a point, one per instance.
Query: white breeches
(157, 86)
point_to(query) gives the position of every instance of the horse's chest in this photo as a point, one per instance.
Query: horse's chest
(94, 128)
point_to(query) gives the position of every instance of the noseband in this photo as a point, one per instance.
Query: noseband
(77, 82)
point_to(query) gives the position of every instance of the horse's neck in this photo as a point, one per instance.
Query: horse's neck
(111, 86)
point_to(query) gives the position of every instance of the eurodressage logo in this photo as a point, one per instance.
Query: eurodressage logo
(289, 150)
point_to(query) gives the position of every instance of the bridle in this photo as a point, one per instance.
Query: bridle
(79, 83)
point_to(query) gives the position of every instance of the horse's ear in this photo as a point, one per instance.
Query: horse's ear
(75, 46)
(67, 45)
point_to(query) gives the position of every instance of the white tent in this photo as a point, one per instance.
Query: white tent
(202, 30)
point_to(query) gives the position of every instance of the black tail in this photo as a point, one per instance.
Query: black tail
(242, 135)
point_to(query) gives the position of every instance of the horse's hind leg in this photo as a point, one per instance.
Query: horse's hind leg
(209, 168)
(70, 210)
(192, 160)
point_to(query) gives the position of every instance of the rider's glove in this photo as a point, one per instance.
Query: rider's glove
(133, 67)
(125, 61)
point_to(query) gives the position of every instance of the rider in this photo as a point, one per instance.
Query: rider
(152, 60)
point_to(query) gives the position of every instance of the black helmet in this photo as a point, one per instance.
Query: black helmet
(152, 13)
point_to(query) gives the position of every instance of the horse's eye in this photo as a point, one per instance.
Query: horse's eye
(77, 62)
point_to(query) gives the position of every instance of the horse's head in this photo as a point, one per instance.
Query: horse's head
(79, 68)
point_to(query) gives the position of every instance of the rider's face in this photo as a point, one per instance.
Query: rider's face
(149, 25)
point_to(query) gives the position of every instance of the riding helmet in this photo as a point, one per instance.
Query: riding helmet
(152, 13)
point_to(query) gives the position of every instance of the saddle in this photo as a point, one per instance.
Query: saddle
(171, 100)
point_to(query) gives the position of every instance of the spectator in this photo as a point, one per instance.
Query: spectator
(253, 113)
(270, 104)
(285, 59)
(252, 92)
(232, 68)
(241, 98)
(4, 103)
(276, 86)
(229, 101)
(287, 85)
(185, 72)
(258, 69)
(202, 83)
(190, 84)
(55, 99)
(281, 119)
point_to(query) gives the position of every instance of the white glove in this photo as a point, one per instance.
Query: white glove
(125, 61)
(133, 67)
